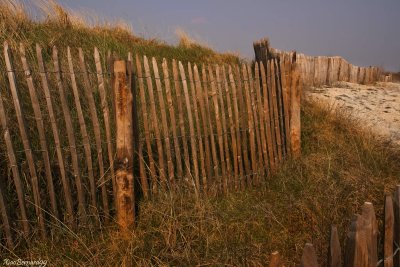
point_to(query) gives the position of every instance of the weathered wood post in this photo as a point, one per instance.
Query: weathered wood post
(125, 201)
(295, 120)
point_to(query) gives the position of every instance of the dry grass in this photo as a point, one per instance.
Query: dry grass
(342, 166)
(48, 23)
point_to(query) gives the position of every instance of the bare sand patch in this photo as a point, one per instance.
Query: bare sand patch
(377, 105)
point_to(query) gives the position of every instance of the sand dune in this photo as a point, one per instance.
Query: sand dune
(376, 105)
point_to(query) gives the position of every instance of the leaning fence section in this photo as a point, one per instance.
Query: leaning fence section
(363, 242)
(74, 131)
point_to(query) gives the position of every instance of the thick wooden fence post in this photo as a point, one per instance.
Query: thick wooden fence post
(125, 200)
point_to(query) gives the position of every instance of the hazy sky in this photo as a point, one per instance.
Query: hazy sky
(365, 32)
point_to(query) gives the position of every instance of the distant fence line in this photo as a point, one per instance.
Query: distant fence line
(362, 240)
(69, 120)
(322, 70)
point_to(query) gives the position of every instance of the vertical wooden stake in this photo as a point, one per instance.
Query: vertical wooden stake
(295, 126)
(97, 133)
(309, 258)
(4, 217)
(275, 260)
(219, 129)
(124, 163)
(209, 128)
(41, 131)
(71, 137)
(25, 139)
(389, 226)
(16, 176)
(84, 133)
(237, 128)
(146, 125)
(334, 252)
(60, 158)
(396, 201)
(106, 114)
(170, 105)
(191, 129)
(371, 232)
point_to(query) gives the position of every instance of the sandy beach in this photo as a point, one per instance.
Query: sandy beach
(377, 105)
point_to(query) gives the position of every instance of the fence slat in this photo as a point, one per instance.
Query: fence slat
(243, 128)
(236, 126)
(106, 115)
(334, 251)
(131, 72)
(161, 164)
(179, 97)
(260, 111)
(204, 121)
(271, 112)
(356, 252)
(40, 128)
(254, 105)
(195, 176)
(275, 260)
(64, 180)
(224, 127)
(231, 129)
(165, 129)
(285, 72)
(25, 139)
(219, 129)
(84, 133)
(138, 144)
(267, 116)
(205, 94)
(309, 257)
(280, 106)
(371, 232)
(198, 126)
(254, 160)
(124, 162)
(171, 110)
(97, 133)
(295, 126)
(397, 224)
(389, 228)
(4, 218)
(71, 137)
(14, 169)
(146, 125)
(274, 88)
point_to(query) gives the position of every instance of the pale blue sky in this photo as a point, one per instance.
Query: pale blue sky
(365, 32)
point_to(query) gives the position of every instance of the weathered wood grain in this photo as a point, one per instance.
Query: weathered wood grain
(41, 131)
(160, 152)
(69, 215)
(25, 139)
(97, 134)
(124, 162)
(71, 138)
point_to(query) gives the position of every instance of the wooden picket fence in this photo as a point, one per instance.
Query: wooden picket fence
(362, 242)
(67, 124)
(323, 70)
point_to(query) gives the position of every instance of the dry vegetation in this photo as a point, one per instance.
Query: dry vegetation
(49, 24)
(342, 166)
